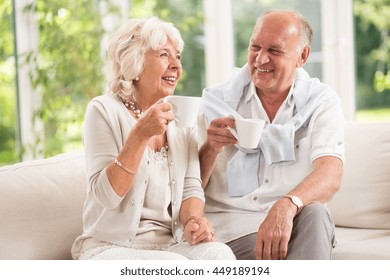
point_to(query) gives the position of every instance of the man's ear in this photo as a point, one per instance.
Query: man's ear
(304, 56)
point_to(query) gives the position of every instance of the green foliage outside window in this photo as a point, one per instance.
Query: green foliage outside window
(68, 69)
(372, 41)
(8, 151)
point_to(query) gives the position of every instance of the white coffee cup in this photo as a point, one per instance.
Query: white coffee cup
(185, 109)
(248, 132)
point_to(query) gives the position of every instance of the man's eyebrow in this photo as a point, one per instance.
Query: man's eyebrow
(276, 47)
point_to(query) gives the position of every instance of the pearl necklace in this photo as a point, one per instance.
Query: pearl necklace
(130, 105)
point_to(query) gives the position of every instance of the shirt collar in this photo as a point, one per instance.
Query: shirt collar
(252, 93)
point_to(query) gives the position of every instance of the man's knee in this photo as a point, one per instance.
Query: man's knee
(313, 233)
(315, 207)
(315, 213)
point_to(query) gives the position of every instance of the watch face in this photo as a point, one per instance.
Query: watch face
(297, 201)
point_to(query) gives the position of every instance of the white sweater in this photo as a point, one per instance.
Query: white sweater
(114, 219)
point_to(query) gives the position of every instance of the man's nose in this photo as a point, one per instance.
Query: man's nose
(262, 57)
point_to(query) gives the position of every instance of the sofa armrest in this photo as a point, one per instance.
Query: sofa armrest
(363, 200)
(41, 204)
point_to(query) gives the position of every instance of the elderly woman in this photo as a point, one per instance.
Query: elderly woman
(144, 199)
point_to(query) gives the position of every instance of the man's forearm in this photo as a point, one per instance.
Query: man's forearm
(322, 183)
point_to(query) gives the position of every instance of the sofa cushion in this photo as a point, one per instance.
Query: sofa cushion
(41, 204)
(363, 200)
(361, 244)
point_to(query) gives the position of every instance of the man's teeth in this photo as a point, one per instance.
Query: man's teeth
(170, 79)
(263, 70)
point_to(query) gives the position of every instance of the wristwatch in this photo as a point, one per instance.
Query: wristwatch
(297, 201)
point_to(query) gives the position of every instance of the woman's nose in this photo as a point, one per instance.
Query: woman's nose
(175, 63)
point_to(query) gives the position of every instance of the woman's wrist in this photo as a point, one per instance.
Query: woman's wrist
(191, 219)
(139, 134)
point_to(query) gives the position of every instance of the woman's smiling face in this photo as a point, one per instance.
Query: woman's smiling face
(161, 72)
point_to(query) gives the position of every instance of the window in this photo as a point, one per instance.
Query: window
(61, 67)
(372, 60)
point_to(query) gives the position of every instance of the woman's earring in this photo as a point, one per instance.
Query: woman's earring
(136, 78)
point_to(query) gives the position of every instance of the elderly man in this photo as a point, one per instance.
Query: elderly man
(270, 202)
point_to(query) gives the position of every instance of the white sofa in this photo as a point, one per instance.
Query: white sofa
(41, 201)
(41, 204)
(361, 209)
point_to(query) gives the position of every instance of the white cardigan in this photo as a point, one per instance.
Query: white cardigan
(109, 217)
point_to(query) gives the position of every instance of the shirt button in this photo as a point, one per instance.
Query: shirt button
(131, 202)
(296, 146)
(174, 202)
(266, 181)
(255, 198)
(148, 162)
(339, 143)
(175, 223)
(172, 163)
(173, 182)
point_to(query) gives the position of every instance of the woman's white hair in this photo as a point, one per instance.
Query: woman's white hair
(127, 51)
